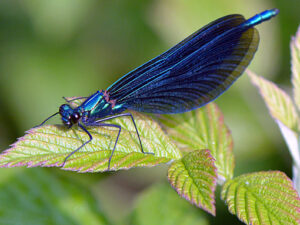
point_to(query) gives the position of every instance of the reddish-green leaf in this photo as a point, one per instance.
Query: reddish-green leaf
(49, 145)
(263, 198)
(194, 177)
(203, 128)
(295, 49)
(278, 102)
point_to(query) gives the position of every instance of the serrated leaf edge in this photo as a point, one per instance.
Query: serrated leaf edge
(193, 201)
(227, 185)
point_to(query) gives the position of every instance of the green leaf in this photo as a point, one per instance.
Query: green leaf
(203, 128)
(295, 49)
(161, 205)
(278, 102)
(263, 198)
(49, 145)
(38, 197)
(194, 177)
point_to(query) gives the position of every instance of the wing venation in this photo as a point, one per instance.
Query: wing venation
(192, 73)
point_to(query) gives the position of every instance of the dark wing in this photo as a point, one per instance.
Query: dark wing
(192, 73)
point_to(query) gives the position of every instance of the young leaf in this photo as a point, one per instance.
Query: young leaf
(278, 102)
(194, 177)
(292, 140)
(161, 205)
(263, 198)
(295, 49)
(36, 196)
(49, 145)
(203, 128)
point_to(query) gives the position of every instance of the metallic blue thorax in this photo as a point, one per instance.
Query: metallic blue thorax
(98, 106)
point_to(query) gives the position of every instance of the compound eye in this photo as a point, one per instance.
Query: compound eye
(63, 109)
(75, 117)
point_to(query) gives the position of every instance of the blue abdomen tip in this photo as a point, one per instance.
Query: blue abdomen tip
(261, 17)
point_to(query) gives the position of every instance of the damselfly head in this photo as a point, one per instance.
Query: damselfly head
(69, 116)
(66, 113)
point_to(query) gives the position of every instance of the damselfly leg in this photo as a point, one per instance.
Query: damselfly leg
(69, 101)
(85, 143)
(99, 123)
(137, 132)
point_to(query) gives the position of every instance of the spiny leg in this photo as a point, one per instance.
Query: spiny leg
(97, 124)
(68, 101)
(127, 114)
(91, 138)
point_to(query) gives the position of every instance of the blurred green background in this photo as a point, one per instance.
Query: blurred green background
(50, 49)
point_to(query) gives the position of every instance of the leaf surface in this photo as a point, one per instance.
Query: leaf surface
(203, 128)
(194, 177)
(263, 198)
(278, 102)
(49, 145)
(295, 49)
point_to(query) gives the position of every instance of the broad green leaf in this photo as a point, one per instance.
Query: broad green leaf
(278, 102)
(49, 145)
(161, 205)
(38, 197)
(194, 177)
(263, 198)
(203, 128)
(295, 49)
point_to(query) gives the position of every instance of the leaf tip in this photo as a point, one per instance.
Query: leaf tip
(194, 178)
